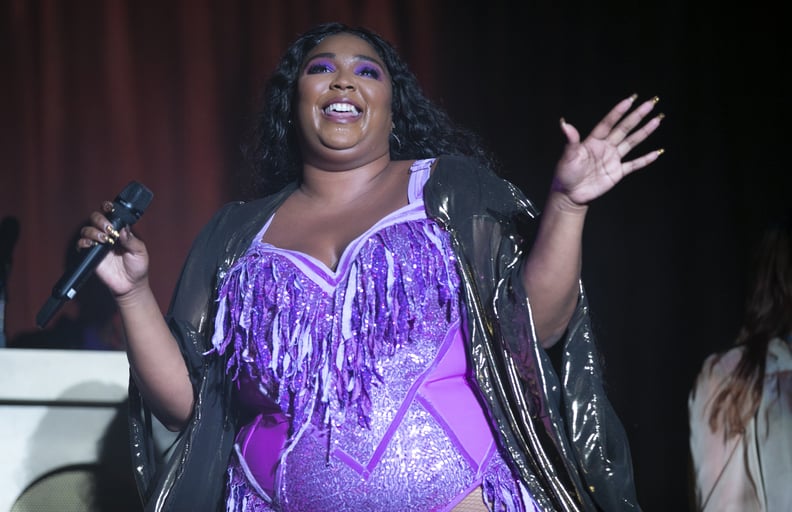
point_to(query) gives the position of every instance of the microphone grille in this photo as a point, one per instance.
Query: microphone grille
(136, 197)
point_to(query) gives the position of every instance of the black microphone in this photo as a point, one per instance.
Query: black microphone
(127, 209)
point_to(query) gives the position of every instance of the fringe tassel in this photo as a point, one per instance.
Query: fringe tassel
(315, 352)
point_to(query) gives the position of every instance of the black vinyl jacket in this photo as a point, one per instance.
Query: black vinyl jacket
(556, 426)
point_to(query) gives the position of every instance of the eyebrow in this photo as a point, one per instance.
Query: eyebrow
(330, 55)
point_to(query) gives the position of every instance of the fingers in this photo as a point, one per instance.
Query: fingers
(617, 125)
(639, 135)
(100, 230)
(571, 133)
(622, 132)
(605, 127)
(642, 161)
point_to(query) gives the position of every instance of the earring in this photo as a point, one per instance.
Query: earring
(393, 132)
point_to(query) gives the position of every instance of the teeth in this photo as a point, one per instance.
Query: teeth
(342, 107)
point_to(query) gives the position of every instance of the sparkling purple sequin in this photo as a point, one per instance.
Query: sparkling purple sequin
(350, 356)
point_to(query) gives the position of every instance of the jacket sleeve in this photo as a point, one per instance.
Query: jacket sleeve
(191, 473)
(563, 436)
(188, 318)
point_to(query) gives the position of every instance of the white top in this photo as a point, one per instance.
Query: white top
(751, 471)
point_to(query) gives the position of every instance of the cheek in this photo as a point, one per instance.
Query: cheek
(309, 88)
(381, 96)
(386, 92)
(387, 102)
(305, 102)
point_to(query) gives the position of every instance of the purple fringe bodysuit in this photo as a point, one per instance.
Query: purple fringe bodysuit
(357, 378)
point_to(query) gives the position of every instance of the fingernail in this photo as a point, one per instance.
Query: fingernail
(563, 121)
(660, 116)
(655, 99)
(634, 97)
(660, 151)
(108, 206)
(111, 230)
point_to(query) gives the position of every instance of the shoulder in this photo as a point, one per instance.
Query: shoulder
(464, 184)
(462, 169)
(779, 356)
(241, 210)
(237, 214)
(716, 369)
(722, 364)
(236, 223)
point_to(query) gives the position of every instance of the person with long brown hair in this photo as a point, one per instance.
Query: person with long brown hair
(740, 408)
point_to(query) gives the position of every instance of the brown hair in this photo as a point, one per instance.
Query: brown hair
(767, 315)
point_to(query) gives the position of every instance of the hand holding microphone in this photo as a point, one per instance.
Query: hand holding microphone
(108, 229)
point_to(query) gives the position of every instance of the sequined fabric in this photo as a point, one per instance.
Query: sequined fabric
(315, 337)
(364, 360)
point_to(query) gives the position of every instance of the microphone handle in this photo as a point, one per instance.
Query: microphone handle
(47, 311)
(70, 283)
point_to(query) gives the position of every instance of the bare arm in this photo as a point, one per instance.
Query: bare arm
(551, 271)
(156, 362)
(587, 169)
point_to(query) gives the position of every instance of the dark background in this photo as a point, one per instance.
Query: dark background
(100, 93)
(665, 252)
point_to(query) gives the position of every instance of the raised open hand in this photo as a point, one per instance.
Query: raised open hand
(589, 168)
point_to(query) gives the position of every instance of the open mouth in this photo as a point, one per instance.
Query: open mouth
(341, 109)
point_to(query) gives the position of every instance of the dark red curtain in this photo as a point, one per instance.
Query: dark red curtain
(96, 93)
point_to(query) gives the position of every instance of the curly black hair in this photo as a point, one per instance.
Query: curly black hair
(422, 129)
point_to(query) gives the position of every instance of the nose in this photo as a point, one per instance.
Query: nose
(342, 82)
(342, 86)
